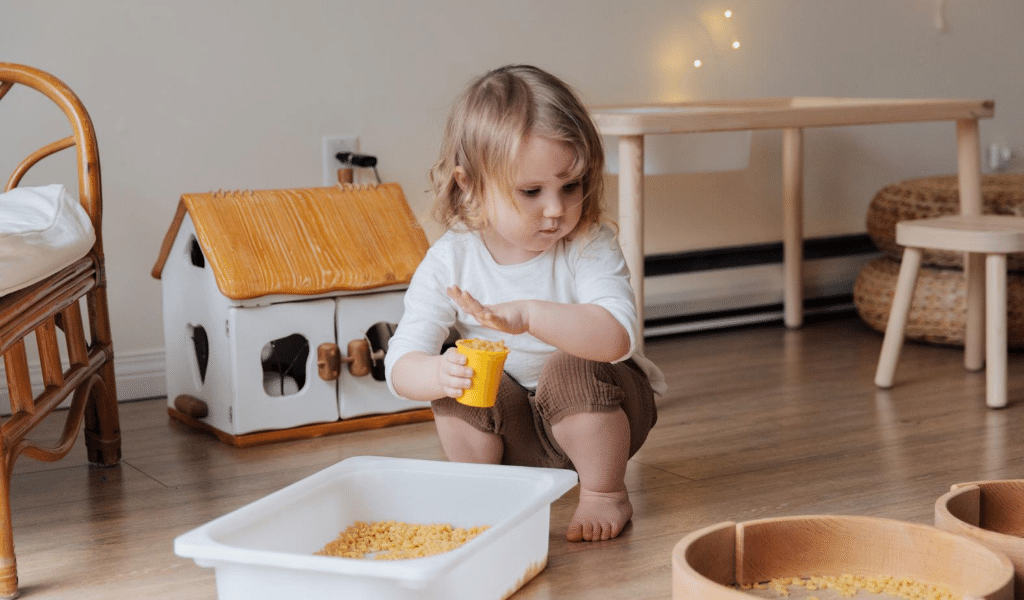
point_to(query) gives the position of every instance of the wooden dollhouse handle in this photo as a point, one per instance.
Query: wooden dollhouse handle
(328, 361)
(191, 406)
(359, 359)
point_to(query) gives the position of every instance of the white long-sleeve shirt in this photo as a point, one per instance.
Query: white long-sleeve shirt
(589, 269)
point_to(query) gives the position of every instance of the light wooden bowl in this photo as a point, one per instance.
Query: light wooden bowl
(991, 512)
(708, 563)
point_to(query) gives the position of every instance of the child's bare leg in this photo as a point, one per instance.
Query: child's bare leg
(464, 443)
(598, 445)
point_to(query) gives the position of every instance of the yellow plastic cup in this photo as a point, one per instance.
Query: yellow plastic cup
(487, 368)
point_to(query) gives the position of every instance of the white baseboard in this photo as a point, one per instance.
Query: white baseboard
(702, 295)
(138, 374)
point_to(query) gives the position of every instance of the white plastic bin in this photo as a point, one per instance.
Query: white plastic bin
(265, 549)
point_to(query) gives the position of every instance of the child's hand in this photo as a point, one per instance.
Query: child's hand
(453, 376)
(509, 317)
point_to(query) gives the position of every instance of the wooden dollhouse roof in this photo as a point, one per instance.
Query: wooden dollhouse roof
(303, 241)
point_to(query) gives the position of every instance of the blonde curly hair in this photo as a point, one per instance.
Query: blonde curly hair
(485, 129)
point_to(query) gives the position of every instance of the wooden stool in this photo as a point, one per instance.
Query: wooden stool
(993, 236)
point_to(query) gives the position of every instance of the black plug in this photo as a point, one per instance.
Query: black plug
(363, 160)
(356, 160)
(359, 160)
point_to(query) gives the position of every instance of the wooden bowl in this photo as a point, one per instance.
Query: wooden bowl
(991, 512)
(710, 562)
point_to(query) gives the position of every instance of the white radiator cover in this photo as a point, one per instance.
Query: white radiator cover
(702, 295)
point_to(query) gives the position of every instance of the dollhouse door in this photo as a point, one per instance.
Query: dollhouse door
(371, 317)
(273, 355)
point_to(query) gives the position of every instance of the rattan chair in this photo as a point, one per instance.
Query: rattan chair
(53, 304)
(990, 236)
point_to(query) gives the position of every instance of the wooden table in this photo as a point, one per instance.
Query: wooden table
(631, 123)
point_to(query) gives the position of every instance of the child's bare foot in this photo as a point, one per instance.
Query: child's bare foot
(599, 516)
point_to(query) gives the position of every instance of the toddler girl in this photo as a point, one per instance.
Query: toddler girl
(527, 259)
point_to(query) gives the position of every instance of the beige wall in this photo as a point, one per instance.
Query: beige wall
(194, 95)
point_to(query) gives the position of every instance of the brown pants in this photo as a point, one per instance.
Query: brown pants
(567, 385)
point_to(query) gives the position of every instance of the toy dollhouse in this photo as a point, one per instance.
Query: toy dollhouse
(269, 294)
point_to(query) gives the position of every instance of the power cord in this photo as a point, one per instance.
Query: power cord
(359, 160)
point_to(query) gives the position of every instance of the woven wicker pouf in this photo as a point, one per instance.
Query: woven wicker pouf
(938, 311)
(925, 197)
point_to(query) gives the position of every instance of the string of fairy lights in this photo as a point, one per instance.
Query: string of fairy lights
(939, 20)
(728, 14)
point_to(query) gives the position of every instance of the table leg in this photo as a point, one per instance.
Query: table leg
(969, 181)
(793, 226)
(631, 216)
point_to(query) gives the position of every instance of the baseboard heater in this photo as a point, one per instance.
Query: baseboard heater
(741, 285)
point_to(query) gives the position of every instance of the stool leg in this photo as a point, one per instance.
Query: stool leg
(898, 313)
(995, 334)
(974, 331)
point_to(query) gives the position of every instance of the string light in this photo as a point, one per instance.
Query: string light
(735, 41)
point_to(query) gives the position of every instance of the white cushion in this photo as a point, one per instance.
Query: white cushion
(42, 230)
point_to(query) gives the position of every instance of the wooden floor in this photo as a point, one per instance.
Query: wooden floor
(759, 422)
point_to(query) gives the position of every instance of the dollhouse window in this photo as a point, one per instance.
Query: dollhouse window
(284, 365)
(201, 346)
(195, 253)
(378, 336)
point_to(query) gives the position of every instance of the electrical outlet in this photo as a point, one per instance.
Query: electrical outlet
(333, 144)
(999, 157)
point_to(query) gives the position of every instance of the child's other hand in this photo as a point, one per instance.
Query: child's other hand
(509, 317)
(453, 376)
